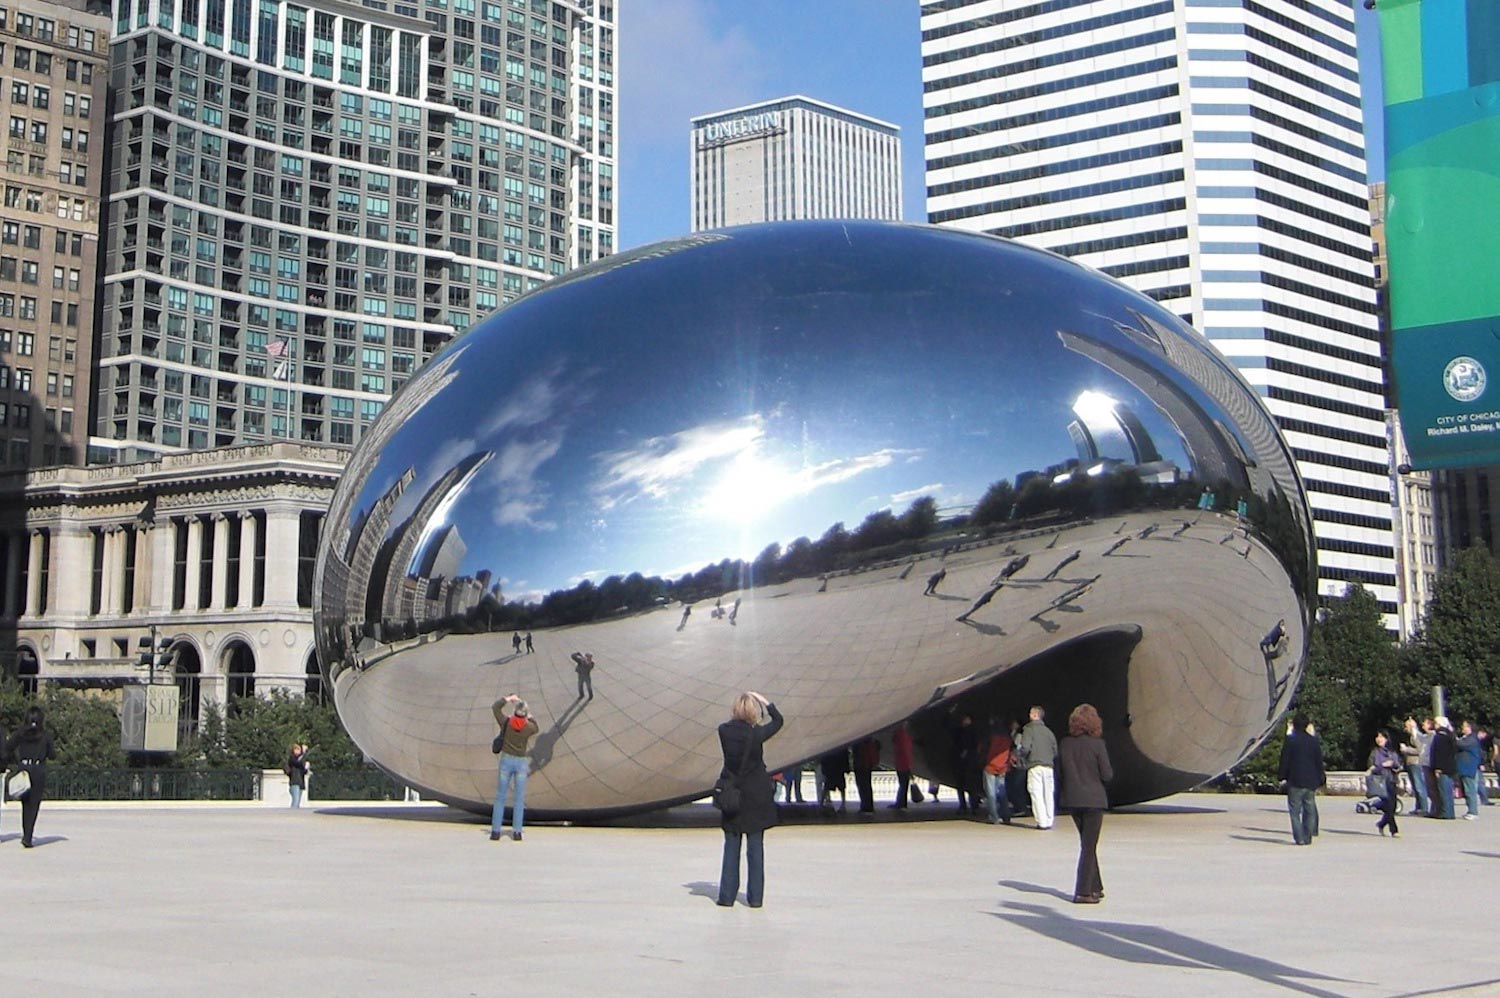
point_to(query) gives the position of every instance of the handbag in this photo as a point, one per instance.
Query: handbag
(17, 785)
(726, 792)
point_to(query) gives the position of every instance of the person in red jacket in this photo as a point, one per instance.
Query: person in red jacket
(996, 766)
(901, 757)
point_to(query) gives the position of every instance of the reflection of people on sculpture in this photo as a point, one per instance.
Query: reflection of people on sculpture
(933, 580)
(529, 647)
(866, 758)
(1011, 568)
(1117, 545)
(907, 570)
(984, 598)
(1186, 524)
(1147, 531)
(1061, 565)
(517, 728)
(742, 739)
(823, 584)
(687, 611)
(1274, 643)
(515, 641)
(584, 664)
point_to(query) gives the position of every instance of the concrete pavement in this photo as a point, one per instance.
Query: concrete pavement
(1205, 893)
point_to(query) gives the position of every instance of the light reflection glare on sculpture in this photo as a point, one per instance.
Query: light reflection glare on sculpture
(735, 460)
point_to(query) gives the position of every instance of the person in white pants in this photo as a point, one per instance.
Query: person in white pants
(1039, 748)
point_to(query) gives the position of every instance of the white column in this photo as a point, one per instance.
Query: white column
(281, 554)
(15, 540)
(107, 538)
(34, 575)
(72, 563)
(194, 563)
(221, 563)
(145, 565)
(163, 565)
(122, 552)
(247, 559)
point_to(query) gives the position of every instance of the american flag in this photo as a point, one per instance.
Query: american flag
(276, 349)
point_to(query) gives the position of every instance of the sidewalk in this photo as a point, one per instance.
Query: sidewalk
(1205, 894)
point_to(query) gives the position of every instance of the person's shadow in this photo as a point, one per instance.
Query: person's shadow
(547, 741)
(1021, 885)
(703, 889)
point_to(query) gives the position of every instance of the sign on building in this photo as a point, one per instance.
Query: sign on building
(148, 719)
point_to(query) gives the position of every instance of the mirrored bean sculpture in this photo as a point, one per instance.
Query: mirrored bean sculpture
(876, 472)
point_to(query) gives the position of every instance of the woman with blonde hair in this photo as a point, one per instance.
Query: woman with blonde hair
(1085, 768)
(742, 739)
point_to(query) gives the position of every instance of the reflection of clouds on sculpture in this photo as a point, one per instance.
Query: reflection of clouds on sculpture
(653, 467)
(910, 495)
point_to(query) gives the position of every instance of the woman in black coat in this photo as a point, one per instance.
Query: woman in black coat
(31, 747)
(742, 738)
(1084, 768)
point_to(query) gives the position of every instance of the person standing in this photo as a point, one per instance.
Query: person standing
(831, 767)
(530, 648)
(517, 728)
(296, 772)
(996, 768)
(584, 665)
(966, 766)
(742, 739)
(1466, 766)
(1384, 765)
(1444, 766)
(1415, 752)
(1085, 767)
(866, 758)
(515, 642)
(901, 757)
(31, 746)
(1039, 748)
(933, 581)
(1301, 770)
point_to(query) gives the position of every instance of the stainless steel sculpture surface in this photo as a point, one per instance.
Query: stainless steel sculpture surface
(874, 471)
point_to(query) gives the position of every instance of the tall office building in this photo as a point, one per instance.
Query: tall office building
(1211, 156)
(793, 158)
(308, 199)
(55, 58)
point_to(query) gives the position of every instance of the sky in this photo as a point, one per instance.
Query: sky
(677, 59)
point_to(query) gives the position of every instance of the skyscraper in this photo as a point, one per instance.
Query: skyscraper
(308, 199)
(53, 97)
(794, 157)
(1211, 156)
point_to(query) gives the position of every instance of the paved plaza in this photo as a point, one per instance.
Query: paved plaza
(1205, 895)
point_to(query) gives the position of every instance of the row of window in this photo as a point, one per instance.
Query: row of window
(1095, 190)
(1039, 35)
(27, 272)
(1149, 209)
(1041, 115)
(23, 344)
(1034, 63)
(991, 20)
(45, 29)
(1034, 90)
(1085, 135)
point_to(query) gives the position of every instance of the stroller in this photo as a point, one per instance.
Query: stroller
(1377, 787)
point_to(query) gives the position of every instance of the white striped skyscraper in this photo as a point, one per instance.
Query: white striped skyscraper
(1209, 153)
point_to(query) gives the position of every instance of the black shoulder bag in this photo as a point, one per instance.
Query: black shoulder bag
(726, 792)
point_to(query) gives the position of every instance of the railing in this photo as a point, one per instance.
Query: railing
(67, 783)
(353, 784)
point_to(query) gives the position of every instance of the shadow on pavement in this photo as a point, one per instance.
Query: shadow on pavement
(1262, 838)
(703, 889)
(1164, 809)
(1151, 944)
(1021, 885)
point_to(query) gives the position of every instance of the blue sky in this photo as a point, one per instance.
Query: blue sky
(681, 58)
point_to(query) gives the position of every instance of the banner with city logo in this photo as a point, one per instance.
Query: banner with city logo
(1441, 61)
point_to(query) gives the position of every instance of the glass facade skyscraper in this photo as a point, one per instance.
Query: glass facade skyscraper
(307, 200)
(1212, 156)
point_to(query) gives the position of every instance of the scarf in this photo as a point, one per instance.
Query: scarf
(517, 722)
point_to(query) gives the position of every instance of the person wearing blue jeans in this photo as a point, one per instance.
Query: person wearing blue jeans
(1444, 766)
(517, 727)
(1466, 765)
(1416, 752)
(297, 770)
(1301, 770)
(742, 740)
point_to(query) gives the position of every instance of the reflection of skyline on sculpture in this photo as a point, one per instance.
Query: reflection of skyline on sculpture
(564, 491)
(794, 427)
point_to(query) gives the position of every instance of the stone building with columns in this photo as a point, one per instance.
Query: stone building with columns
(210, 552)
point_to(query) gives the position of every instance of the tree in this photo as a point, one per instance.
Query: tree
(995, 505)
(1352, 686)
(85, 727)
(1459, 645)
(259, 731)
(920, 518)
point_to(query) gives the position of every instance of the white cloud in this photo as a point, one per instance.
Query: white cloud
(902, 498)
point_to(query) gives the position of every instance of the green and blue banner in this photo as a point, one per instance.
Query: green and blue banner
(1441, 61)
